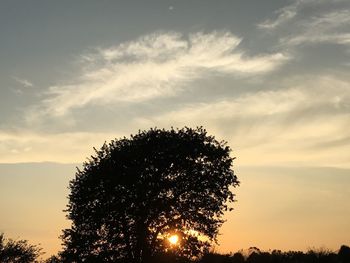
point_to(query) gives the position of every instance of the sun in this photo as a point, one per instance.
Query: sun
(174, 239)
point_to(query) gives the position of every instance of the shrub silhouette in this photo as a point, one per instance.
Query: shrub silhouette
(216, 258)
(135, 192)
(238, 258)
(53, 259)
(344, 254)
(17, 251)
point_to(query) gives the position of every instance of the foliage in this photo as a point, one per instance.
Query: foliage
(53, 259)
(135, 192)
(17, 251)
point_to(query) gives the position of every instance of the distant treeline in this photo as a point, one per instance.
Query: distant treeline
(254, 255)
(277, 256)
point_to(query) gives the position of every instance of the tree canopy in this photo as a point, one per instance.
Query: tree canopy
(136, 192)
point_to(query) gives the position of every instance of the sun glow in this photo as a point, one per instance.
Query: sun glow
(174, 239)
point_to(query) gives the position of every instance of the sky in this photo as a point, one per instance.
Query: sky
(269, 77)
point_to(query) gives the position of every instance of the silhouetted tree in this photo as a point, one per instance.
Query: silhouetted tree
(135, 192)
(17, 251)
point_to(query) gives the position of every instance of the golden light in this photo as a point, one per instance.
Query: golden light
(174, 239)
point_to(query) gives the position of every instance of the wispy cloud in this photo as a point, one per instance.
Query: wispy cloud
(311, 22)
(154, 66)
(326, 28)
(295, 96)
(283, 15)
(23, 82)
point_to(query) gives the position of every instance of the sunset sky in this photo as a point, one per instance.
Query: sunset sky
(270, 77)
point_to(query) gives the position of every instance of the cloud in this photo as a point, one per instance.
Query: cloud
(302, 121)
(283, 15)
(295, 97)
(154, 66)
(325, 28)
(311, 22)
(23, 82)
(288, 125)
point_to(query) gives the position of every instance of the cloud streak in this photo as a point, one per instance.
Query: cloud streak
(23, 82)
(154, 66)
(326, 28)
(283, 15)
(296, 97)
(67, 147)
(311, 22)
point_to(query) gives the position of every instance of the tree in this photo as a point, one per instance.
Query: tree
(17, 251)
(135, 192)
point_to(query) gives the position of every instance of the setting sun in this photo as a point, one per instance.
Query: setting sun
(174, 239)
